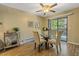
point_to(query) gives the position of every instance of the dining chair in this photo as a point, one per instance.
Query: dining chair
(40, 33)
(45, 33)
(38, 40)
(56, 40)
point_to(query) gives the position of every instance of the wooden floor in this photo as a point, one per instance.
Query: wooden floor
(28, 50)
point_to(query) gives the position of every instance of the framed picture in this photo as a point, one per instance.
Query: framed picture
(33, 24)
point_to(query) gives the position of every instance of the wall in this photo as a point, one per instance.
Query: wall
(15, 18)
(73, 29)
(73, 22)
(43, 23)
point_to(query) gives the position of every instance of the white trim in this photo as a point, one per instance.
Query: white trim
(64, 15)
(30, 39)
(73, 43)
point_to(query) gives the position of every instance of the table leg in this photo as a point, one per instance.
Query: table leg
(51, 45)
(46, 45)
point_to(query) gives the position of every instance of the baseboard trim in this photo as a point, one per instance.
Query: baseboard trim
(73, 43)
(27, 40)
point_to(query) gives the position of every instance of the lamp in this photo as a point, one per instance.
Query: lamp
(46, 8)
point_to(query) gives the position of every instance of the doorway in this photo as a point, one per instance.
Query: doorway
(59, 24)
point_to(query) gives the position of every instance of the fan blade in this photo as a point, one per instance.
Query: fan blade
(41, 4)
(53, 5)
(52, 11)
(39, 11)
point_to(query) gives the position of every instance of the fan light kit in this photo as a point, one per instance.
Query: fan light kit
(47, 8)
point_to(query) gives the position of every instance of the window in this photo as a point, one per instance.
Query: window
(59, 24)
(54, 24)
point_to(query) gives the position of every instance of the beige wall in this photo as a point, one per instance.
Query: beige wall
(73, 28)
(43, 23)
(15, 18)
(73, 22)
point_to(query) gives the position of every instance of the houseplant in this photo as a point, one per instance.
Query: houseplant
(16, 29)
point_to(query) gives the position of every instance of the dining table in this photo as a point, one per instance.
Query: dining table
(47, 38)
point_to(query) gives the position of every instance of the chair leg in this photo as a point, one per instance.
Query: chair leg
(39, 48)
(41, 44)
(57, 48)
(47, 45)
(60, 46)
(34, 45)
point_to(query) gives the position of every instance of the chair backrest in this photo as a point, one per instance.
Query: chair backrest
(40, 33)
(45, 33)
(53, 33)
(36, 37)
(58, 36)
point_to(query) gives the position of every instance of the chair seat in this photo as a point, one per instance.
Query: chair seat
(42, 40)
(52, 41)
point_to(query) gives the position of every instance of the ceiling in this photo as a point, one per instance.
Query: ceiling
(32, 7)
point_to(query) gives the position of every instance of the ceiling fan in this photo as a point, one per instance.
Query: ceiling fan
(47, 8)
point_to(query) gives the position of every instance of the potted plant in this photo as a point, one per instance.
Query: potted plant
(16, 29)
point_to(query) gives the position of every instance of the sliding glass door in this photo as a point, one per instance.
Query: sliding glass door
(59, 24)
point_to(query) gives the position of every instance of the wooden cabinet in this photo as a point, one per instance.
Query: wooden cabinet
(11, 39)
